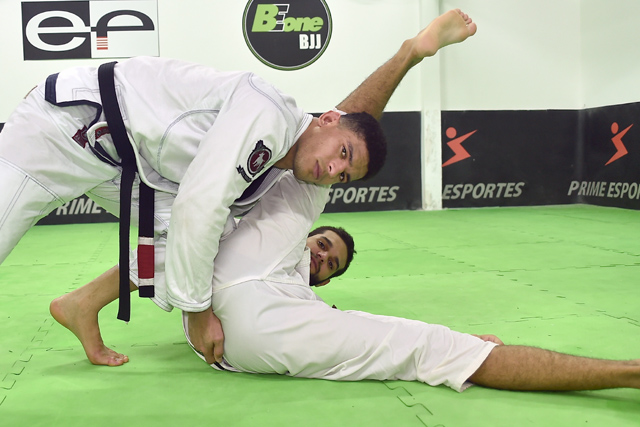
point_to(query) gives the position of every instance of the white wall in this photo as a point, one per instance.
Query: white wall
(363, 38)
(542, 54)
(365, 34)
(610, 55)
(526, 55)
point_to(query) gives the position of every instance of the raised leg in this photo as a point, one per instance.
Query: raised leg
(374, 93)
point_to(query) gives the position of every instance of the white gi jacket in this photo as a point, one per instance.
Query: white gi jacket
(275, 323)
(211, 132)
(278, 225)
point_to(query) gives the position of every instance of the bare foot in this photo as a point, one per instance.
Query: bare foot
(451, 27)
(84, 324)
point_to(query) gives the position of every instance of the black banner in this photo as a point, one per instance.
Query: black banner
(82, 210)
(489, 158)
(398, 185)
(528, 158)
(611, 166)
(509, 158)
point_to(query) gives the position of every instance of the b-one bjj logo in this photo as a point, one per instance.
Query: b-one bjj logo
(89, 29)
(287, 36)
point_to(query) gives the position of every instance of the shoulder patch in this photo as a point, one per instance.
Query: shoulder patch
(258, 158)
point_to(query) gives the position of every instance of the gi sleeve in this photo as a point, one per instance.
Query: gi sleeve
(213, 180)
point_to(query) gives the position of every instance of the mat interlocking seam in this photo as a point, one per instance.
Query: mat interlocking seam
(629, 320)
(20, 365)
(412, 401)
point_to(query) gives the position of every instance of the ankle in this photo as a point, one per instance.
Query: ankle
(409, 54)
(635, 374)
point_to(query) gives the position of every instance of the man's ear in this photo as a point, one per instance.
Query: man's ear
(323, 283)
(330, 117)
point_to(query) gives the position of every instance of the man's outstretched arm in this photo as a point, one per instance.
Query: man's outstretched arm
(374, 93)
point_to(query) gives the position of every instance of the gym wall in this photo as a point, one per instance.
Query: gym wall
(538, 74)
(565, 131)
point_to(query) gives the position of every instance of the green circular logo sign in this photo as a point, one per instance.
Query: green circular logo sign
(287, 36)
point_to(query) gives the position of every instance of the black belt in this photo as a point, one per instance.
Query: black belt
(129, 170)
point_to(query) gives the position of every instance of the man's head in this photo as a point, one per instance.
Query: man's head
(338, 148)
(368, 128)
(332, 250)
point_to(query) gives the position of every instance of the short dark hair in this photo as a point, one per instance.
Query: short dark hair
(368, 128)
(346, 238)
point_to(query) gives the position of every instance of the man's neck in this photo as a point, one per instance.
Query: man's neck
(287, 161)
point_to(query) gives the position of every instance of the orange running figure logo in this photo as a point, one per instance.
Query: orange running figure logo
(617, 141)
(456, 146)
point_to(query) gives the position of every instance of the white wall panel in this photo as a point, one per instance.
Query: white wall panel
(543, 54)
(610, 53)
(365, 34)
(526, 55)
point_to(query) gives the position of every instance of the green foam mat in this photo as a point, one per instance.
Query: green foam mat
(564, 278)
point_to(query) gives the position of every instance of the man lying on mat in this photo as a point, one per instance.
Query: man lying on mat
(275, 323)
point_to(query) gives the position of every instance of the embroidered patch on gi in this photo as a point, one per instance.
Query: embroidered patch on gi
(81, 137)
(101, 131)
(257, 160)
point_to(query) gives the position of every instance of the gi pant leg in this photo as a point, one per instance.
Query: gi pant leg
(107, 195)
(267, 330)
(41, 166)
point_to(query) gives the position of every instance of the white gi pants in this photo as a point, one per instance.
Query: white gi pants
(268, 330)
(41, 166)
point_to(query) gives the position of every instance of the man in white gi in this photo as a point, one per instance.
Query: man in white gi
(275, 323)
(203, 116)
(200, 135)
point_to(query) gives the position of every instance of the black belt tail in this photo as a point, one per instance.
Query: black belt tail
(129, 170)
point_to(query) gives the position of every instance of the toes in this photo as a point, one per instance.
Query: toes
(472, 28)
(108, 357)
(118, 360)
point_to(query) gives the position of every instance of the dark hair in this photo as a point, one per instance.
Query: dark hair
(346, 238)
(368, 128)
